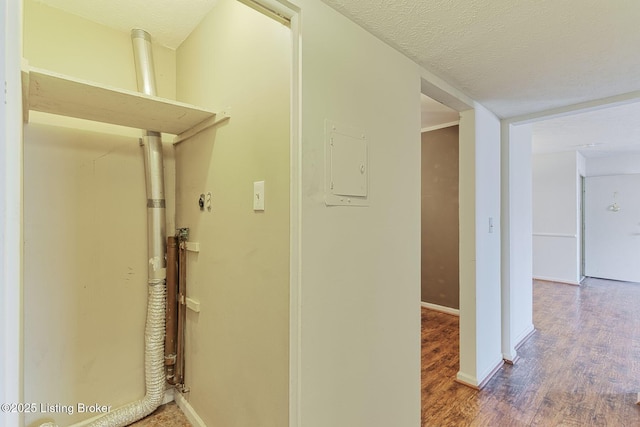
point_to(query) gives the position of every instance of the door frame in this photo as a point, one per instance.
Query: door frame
(11, 211)
(279, 9)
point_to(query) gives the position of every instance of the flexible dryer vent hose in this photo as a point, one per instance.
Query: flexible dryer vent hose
(154, 368)
(156, 246)
(155, 326)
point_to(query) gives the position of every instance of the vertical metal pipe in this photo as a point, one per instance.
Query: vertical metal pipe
(182, 311)
(172, 306)
(154, 166)
(155, 325)
(144, 61)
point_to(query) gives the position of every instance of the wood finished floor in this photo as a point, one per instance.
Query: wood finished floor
(580, 368)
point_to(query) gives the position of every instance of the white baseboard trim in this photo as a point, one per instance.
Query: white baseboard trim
(440, 308)
(188, 410)
(473, 382)
(553, 279)
(467, 380)
(489, 373)
(511, 358)
(87, 421)
(525, 335)
(169, 396)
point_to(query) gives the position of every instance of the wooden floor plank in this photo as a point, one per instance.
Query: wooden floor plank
(580, 368)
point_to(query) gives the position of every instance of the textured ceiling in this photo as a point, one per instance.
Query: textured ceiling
(514, 56)
(611, 131)
(168, 21)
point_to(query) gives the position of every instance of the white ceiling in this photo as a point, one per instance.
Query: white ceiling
(168, 21)
(525, 57)
(514, 57)
(611, 131)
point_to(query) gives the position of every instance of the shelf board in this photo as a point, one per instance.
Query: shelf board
(54, 93)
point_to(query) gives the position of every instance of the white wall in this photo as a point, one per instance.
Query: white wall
(10, 211)
(360, 291)
(480, 316)
(488, 320)
(517, 292)
(613, 165)
(556, 223)
(556, 209)
(612, 239)
(623, 167)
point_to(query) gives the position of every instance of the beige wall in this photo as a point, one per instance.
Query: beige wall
(67, 44)
(360, 266)
(440, 267)
(237, 346)
(85, 281)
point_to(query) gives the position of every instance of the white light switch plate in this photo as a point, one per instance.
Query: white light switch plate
(258, 196)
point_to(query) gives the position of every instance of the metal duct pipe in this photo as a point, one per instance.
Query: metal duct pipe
(155, 325)
(144, 61)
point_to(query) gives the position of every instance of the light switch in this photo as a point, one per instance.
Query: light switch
(258, 196)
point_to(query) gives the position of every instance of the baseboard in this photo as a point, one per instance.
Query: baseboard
(169, 396)
(440, 308)
(472, 382)
(553, 279)
(490, 373)
(524, 336)
(511, 359)
(467, 380)
(86, 422)
(188, 410)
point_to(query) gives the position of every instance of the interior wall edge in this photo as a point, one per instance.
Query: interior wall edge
(11, 268)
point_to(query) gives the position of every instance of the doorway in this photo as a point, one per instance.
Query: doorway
(440, 284)
(96, 213)
(612, 232)
(440, 289)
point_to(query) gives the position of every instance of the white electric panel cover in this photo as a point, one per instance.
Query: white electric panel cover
(347, 168)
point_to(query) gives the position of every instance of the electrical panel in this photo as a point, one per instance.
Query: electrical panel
(347, 166)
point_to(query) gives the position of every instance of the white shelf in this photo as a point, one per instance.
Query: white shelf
(55, 93)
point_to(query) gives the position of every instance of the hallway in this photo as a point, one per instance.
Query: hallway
(580, 368)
